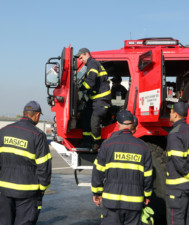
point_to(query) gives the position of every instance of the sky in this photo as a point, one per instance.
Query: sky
(31, 32)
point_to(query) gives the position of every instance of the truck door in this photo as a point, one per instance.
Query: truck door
(65, 108)
(150, 85)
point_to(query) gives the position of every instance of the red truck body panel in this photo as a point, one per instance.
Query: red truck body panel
(145, 65)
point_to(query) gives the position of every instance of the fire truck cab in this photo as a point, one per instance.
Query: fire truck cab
(156, 71)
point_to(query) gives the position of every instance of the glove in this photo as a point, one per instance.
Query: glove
(146, 217)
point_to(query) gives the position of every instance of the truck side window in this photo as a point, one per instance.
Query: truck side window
(145, 60)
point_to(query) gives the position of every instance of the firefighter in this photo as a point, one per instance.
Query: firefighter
(96, 83)
(177, 180)
(122, 175)
(117, 88)
(25, 163)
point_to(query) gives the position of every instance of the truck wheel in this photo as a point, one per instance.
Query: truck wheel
(158, 203)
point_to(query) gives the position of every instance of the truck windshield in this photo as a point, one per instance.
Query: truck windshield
(81, 73)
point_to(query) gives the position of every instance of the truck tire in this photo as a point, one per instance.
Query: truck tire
(158, 198)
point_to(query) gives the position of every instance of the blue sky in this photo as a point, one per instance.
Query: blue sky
(33, 31)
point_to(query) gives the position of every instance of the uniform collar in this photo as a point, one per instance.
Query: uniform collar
(88, 60)
(179, 122)
(125, 131)
(26, 118)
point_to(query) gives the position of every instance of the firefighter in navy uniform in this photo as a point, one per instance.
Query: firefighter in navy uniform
(96, 83)
(117, 88)
(25, 163)
(122, 175)
(177, 180)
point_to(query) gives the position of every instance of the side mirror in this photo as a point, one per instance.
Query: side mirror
(52, 74)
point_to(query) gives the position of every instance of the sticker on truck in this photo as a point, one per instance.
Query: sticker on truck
(149, 99)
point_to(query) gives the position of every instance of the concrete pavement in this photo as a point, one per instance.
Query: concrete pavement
(64, 202)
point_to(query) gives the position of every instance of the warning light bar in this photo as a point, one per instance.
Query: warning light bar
(151, 42)
(161, 42)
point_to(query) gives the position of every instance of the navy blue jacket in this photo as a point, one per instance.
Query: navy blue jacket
(122, 172)
(96, 81)
(25, 160)
(177, 179)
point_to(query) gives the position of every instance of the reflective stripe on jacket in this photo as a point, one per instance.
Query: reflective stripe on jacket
(96, 81)
(122, 172)
(178, 158)
(25, 159)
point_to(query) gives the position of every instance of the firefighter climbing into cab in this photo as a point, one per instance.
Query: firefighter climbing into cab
(96, 85)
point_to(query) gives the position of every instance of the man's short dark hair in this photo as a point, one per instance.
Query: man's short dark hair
(29, 111)
(116, 79)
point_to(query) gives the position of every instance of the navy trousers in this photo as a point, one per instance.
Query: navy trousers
(177, 209)
(92, 116)
(15, 211)
(120, 217)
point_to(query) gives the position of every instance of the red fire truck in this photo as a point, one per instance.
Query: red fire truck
(156, 71)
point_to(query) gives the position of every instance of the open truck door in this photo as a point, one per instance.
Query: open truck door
(151, 78)
(62, 78)
(64, 92)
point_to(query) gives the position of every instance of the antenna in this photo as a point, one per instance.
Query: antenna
(130, 36)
